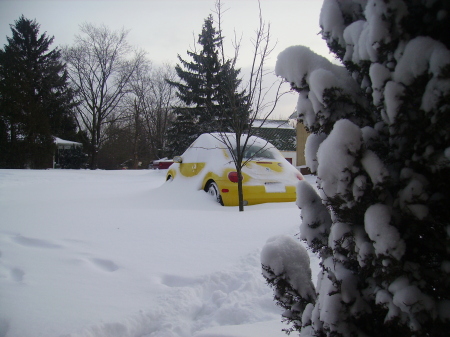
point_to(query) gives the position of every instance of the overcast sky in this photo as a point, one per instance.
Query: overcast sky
(165, 28)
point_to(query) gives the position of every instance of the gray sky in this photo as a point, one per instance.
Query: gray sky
(165, 28)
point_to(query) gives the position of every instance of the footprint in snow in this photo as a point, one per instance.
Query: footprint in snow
(17, 274)
(37, 243)
(106, 265)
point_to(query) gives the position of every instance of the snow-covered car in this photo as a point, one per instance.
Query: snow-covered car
(267, 175)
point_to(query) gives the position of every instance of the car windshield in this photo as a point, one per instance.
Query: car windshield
(257, 151)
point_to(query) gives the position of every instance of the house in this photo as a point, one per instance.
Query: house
(64, 152)
(282, 135)
(301, 135)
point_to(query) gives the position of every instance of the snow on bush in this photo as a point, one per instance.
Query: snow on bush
(336, 157)
(316, 220)
(286, 267)
(297, 62)
(376, 169)
(314, 77)
(385, 237)
(380, 146)
(286, 256)
(424, 55)
(393, 93)
(311, 147)
(379, 75)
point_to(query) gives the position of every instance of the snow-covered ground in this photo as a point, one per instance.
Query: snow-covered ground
(121, 253)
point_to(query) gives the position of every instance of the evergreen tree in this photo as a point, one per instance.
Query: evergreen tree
(204, 89)
(35, 102)
(380, 148)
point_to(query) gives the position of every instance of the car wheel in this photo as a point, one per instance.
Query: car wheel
(213, 190)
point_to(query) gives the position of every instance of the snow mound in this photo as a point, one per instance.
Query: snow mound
(189, 305)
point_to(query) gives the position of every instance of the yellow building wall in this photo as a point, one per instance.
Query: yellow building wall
(302, 134)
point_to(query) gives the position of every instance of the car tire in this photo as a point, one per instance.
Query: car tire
(213, 190)
(169, 178)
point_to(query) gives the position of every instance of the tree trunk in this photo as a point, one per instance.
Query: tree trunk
(240, 191)
(136, 137)
(94, 157)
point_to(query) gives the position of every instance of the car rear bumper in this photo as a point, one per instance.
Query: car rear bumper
(254, 195)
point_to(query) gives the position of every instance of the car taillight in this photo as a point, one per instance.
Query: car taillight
(233, 176)
(299, 176)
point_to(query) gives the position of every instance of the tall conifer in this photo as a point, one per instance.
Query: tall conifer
(204, 89)
(380, 146)
(35, 101)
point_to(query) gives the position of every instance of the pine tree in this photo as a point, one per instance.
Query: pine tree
(204, 89)
(35, 102)
(380, 149)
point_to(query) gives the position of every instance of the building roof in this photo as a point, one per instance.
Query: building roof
(280, 133)
(272, 123)
(66, 144)
(294, 115)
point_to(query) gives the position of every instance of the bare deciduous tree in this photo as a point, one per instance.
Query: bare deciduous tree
(257, 101)
(136, 106)
(159, 116)
(149, 107)
(100, 66)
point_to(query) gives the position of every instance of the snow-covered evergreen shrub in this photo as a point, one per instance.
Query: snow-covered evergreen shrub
(380, 145)
(290, 274)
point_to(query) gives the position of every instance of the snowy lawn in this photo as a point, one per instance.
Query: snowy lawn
(122, 253)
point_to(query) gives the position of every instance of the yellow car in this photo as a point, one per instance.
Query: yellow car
(267, 175)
